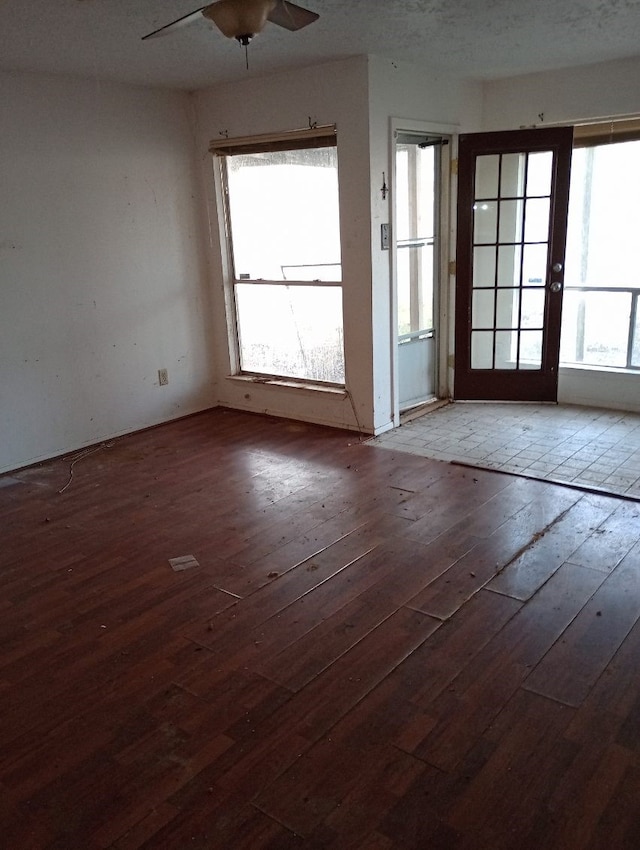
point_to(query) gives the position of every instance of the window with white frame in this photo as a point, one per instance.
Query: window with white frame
(600, 312)
(283, 238)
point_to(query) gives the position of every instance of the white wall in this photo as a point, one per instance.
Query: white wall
(335, 93)
(102, 267)
(562, 97)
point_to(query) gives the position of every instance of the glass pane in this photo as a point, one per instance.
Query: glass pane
(603, 248)
(506, 349)
(532, 308)
(415, 222)
(415, 288)
(507, 308)
(487, 176)
(539, 173)
(511, 179)
(510, 221)
(484, 266)
(401, 190)
(485, 221)
(403, 272)
(482, 308)
(536, 226)
(534, 265)
(293, 331)
(481, 349)
(595, 328)
(509, 265)
(283, 207)
(414, 190)
(530, 350)
(572, 335)
(635, 353)
(425, 187)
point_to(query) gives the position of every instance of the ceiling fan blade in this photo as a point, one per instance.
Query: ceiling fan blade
(174, 25)
(290, 16)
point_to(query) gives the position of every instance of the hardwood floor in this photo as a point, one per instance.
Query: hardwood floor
(376, 651)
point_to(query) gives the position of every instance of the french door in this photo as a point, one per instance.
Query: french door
(513, 198)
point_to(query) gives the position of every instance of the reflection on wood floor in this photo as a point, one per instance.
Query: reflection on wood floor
(374, 650)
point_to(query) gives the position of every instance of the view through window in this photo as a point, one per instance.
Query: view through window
(415, 229)
(600, 323)
(283, 214)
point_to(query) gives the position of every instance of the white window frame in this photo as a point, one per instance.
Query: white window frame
(313, 137)
(593, 135)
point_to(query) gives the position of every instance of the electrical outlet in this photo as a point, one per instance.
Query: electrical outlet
(163, 377)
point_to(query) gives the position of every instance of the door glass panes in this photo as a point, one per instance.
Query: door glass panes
(509, 265)
(510, 254)
(507, 306)
(485, 221)
(536, 227)
(483, 306)
(482, 349)
(511, 175)
(539, 174)
(487, 176)
(534, 264)
(532, 315)
(511, 213)
(484, 266)
(530, 349)
(506, 350)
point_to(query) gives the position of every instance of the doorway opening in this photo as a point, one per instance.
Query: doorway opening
(417, 252)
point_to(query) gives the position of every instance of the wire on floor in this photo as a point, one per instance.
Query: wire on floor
(83, 454)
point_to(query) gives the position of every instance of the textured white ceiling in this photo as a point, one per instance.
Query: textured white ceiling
(481, 39)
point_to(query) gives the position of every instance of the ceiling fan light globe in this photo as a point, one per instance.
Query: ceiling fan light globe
(240, 19)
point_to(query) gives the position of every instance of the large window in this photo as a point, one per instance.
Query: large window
(601, 319)
(283, 232)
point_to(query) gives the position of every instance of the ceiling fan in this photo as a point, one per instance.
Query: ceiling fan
(242, 19)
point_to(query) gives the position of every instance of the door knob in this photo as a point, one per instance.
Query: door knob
(557, 267)
(555, 286)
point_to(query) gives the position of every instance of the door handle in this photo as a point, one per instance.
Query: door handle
(555, 286)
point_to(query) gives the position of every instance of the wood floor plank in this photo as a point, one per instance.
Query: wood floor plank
(524, 575)
(479, 693)
(504, 798)
(608, 544)
(570, 669)
(299, 663)
(480, 565)
(619, 824)
(336, 672)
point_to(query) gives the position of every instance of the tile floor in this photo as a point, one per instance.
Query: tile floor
(583, 447)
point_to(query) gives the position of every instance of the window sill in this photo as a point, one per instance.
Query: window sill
(584, 367)
(297, 386)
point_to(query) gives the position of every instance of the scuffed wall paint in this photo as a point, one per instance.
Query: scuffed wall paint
(104, 281)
